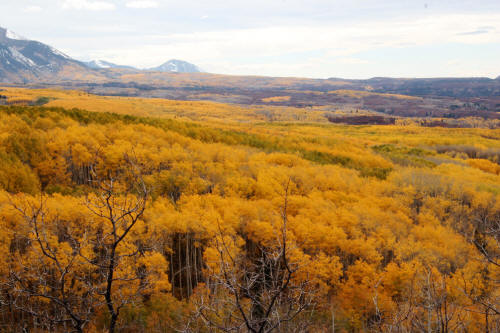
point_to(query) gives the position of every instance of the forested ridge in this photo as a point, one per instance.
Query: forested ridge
(121, 222)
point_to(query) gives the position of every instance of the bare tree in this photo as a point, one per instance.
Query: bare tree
(256, 290)
(47, 283)
(435, 309)
(486, 235)
(484, 302)
(72, 270)
(121, 212)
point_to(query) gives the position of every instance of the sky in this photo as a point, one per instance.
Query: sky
(354, 39)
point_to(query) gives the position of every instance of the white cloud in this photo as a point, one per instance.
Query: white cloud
(33, 9)
(314, 49)
(352, 61)
(142, 4)
(255, 50)
(88, 5)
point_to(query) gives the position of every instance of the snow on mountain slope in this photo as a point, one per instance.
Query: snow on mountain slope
(20, 57)
(12, 35)
(103, 64)
(97, 64)
(23, 60)
(176, 66)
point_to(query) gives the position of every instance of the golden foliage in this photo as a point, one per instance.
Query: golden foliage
(384, 222)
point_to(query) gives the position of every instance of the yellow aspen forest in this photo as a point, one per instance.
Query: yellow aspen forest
(150, 215)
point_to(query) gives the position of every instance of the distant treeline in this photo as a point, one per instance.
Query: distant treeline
(363, 120)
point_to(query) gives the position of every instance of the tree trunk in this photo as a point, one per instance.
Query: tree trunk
(109, 300)
(486, 319)
(333, 321)
(179, 266)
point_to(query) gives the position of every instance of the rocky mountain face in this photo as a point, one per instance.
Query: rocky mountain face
(23, 60)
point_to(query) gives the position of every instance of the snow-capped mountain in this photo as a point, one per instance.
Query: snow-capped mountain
(23, 60)
(103, 64)
(177, 66)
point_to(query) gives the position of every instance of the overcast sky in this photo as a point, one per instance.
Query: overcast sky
(307, 38)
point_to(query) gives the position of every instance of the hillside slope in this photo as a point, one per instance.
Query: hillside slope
(23, 61)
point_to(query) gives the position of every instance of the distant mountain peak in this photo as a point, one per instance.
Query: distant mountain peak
(177, 66)
(12, 35)
(103, 64)
(99, 64)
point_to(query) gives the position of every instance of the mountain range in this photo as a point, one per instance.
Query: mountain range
(23, 61)
(171, 66)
